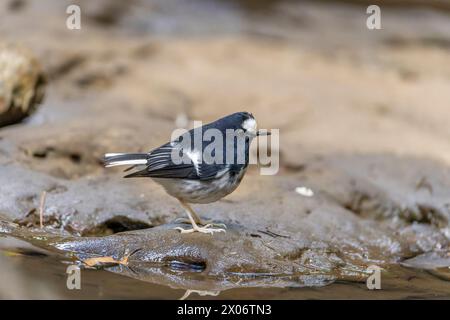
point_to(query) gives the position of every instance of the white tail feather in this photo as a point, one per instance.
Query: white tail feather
(113, 154)
(126, 162)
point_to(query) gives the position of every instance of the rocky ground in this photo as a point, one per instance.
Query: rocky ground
(363, 121)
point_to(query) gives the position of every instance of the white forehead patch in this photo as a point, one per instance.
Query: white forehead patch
(249, 124)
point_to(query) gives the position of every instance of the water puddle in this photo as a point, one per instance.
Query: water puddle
(31, 272)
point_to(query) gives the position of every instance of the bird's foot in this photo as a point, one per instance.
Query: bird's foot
(212, 223)
(202, 223)
(205, 229)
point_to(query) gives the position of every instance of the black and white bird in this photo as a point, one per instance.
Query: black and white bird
(197, 179)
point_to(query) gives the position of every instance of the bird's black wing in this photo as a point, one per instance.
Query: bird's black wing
(161, 165)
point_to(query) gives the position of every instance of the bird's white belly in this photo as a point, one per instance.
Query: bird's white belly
(197, 191)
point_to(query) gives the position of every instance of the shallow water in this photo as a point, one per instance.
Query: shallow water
(32, 273)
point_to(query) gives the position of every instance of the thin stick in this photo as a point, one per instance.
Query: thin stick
(41, 208)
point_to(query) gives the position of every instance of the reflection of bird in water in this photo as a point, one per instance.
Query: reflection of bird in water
(202, 176)
(201, 293)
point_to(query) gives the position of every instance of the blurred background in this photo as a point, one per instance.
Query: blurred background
(309, 68)
(138, 69)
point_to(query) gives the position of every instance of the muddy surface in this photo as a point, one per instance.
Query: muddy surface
(363, 121)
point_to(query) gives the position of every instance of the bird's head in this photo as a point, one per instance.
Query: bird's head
(246, 122)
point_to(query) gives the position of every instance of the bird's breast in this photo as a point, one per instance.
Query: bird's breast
(202, 191)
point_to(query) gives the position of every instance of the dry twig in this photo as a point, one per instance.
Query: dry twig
(41, 209)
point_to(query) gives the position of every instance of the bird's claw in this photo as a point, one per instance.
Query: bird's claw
(213, 224)
(202, 223)
(205, 229)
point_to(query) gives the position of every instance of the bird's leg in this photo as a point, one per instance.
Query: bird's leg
(195, 228)
(197, 219)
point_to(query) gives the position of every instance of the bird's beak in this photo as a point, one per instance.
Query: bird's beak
(263, 132)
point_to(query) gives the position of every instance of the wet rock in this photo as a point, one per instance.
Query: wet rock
(22, 84)
(235, 259)
(430, 260)
(275, 236)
